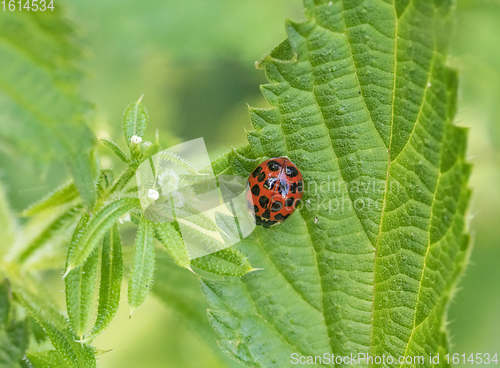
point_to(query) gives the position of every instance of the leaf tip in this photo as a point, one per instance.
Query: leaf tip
(256, 269)
(68, 270)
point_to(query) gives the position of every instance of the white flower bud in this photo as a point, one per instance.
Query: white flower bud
(125, 217)
(136, 139)
(153, 194)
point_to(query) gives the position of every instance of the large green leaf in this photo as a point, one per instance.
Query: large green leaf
(363, 104)
(41, 109)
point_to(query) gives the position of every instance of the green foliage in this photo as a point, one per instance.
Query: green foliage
(60, 196)
(74, 354)
(135, 119)
(42, 111)
(79, 290)
(13, 333)
(113, 200)
(226, 262)
(94, 230)
(143, 265)
(111, 280)
(180, 291)
(116, 149)
(361, 100)
(4, 303)
(13, 344)
(172, 240)
(64, 220)
(45, 359)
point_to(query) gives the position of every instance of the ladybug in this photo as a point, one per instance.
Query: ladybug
(274, 191)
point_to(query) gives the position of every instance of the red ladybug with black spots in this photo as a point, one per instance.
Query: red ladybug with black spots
(274, 191)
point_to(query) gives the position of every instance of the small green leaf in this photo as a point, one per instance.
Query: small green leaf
(171, 239)
(61, 222)
(60, 196)
(135, 119)
(124, 178)
(111, 280)
(79, 288)
(45, 359)
(148, 149)
(116, 149)
(96, 227)
(73, 353)
(226, 262)
(143, 265)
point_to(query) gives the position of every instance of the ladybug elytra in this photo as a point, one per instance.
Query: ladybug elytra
(274, 191)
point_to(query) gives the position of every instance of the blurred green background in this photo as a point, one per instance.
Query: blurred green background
(194, 62)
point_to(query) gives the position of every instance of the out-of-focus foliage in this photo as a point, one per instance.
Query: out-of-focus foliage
(474, 316)
(41, 109)
(193, 60)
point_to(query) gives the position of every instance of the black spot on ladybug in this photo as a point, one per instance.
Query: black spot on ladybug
(269, 183)
(273, 165)
(256, 171)
(289, 202)
(276, 206)
(279, 217)
(256, 208)
(291, 172)
(268, 224)
(255, 190)
(298, 202)
(283, 188)
(261, 176)
(263, 201)
(300, 186)
(266, 214)
(258, 220)
(293, 188)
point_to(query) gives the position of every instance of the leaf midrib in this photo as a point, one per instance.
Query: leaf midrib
(335, 157)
